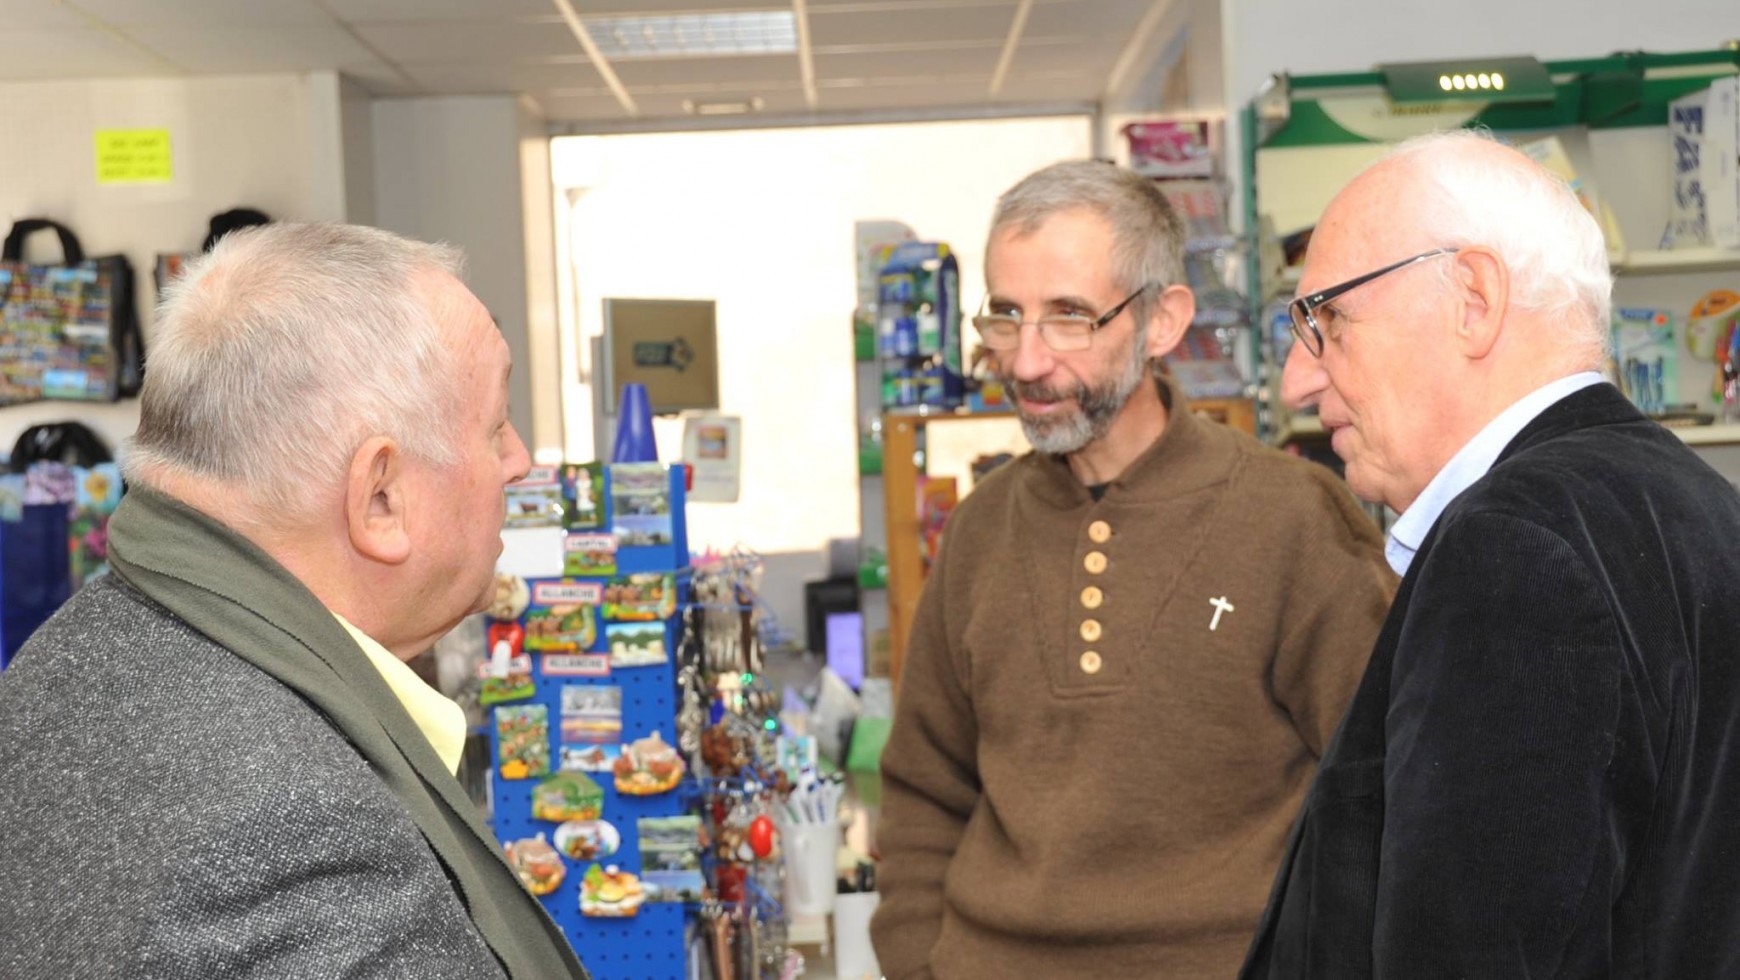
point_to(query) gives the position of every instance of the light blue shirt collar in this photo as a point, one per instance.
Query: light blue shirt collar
(1470, 463)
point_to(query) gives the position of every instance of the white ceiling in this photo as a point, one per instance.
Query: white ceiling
(866, 55)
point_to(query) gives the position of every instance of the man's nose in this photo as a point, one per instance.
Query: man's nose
(1303, 379)
(1031, 359)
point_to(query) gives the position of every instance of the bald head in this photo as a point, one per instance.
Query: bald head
(1464, 188)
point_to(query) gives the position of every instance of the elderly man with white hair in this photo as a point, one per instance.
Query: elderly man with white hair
(1537, 775)
(215, 761)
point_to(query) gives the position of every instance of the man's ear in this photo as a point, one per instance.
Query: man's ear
(376, 501)
(1483, 295)
(1169, 315)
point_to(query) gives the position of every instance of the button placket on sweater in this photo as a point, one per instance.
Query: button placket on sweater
(1091, 596)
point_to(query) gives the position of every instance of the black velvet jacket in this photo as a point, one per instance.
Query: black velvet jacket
(1540, 773)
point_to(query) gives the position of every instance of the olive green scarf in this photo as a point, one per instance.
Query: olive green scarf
(225, 587)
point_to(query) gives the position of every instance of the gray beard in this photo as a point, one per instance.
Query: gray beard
(1096, 407)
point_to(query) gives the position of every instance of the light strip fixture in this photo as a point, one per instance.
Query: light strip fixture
(593, 54)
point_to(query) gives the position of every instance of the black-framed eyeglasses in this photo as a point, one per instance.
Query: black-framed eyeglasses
(1061, 331)
(1303, 310)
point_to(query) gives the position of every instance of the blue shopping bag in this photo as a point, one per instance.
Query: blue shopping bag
(35, 574)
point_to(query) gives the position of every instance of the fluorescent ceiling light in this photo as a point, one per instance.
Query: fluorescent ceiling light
(692, 35)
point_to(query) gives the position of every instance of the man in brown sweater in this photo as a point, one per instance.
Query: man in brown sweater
(1135, 645)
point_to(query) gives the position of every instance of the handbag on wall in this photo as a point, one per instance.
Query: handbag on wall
(67, 331)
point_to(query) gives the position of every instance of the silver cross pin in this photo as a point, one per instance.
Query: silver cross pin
(1220, 606)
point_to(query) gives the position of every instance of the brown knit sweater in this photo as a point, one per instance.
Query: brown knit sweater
(1088, 774)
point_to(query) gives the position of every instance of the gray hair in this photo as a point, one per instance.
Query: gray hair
(1147, 235)
(1553, 248)
(278, 353)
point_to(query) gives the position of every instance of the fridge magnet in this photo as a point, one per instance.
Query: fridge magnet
(522, 740)
(536, 500)
(512, 595)
(609, 893)
(513, 684)
(640, 504)
(648, 766)
(590, 758)
(636, 644)
(588, 840)
(642, 597)
(567, 795)
(591, 714)
(670, 858)
(562, 616)
(539, 866)
(576, 665)
(589, 554)
(583, 495)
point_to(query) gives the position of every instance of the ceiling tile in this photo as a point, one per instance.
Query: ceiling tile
(358, 11)
(19, 15)
(380, 79)
(1080, 85)
(470, 40)
(1086, 17)
(717, 71)
(977, 23)
(981, 58)
(205, 13)
(460, 77)
(572, 108)
(220, 50)
(916, 94)
(79, 53)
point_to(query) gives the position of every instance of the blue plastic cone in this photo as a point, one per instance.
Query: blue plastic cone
(634, 430)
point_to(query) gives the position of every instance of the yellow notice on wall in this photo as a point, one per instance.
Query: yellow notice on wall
(133, 156)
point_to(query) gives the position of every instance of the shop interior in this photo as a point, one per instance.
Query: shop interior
(733, 247)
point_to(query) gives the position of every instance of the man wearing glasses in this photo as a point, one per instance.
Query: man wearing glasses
(1537, 776)
(1134, 646)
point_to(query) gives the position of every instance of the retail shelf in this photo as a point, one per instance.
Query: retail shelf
(1709, 435)
(1638, 262)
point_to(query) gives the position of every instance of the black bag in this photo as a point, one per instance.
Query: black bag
(67, 331)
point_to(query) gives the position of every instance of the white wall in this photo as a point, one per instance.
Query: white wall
(761, 222)
(237, 141)
(453, 169)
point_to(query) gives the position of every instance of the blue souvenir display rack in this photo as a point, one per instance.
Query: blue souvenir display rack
(652, 944)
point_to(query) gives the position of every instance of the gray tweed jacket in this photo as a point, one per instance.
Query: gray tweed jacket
(167, 810)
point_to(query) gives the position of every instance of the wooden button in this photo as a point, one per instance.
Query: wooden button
(1095, 562)
(1090, 630)
(1099, 532)
(1092, 597)
(1090, 663)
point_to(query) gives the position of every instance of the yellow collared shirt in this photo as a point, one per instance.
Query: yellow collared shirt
(442, 721)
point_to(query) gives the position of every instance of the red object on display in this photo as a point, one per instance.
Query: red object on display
(761, 836)
(731, 877)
